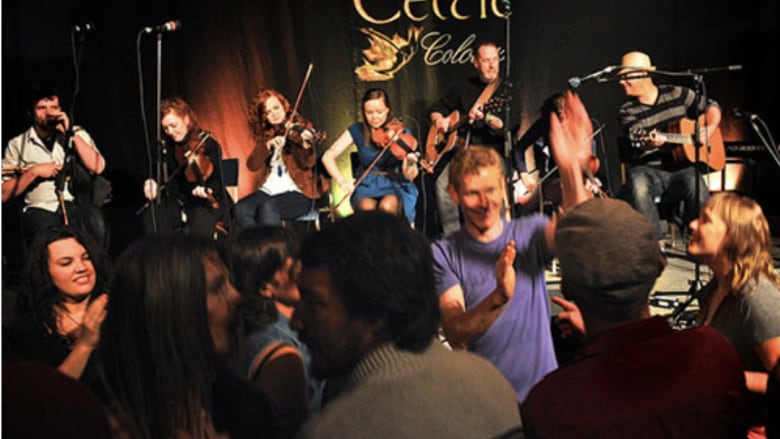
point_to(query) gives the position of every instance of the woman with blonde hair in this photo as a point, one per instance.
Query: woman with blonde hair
(731, 236)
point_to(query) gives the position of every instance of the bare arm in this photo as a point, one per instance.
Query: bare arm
(90, 156)
(571, 140)
(769, 353)
(463, 326)
(17, 185)
(334, 151)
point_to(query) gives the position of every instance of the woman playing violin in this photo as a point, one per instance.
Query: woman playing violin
(286, 157)
(389, 184)
(195, 167)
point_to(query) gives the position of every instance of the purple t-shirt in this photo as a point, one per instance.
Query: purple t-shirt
(519, 342)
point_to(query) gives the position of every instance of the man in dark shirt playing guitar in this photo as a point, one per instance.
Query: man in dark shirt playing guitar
(663, 161)
(469, 114)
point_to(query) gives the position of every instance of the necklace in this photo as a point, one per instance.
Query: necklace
(70, 317)
(65, 316)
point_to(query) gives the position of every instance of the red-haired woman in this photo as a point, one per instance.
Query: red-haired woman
(286, 157)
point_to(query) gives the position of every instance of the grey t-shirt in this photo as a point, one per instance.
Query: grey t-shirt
(748, 318)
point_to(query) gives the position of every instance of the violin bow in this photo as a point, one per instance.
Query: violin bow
(294, 111)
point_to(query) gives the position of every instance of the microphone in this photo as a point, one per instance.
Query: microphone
(52, 122)
(168, 26)
(86, 27)
(744, 114)
(575, 81)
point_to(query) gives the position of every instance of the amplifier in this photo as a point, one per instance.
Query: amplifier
(740, 149)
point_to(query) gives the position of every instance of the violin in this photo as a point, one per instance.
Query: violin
(196, 163)
(400, 143)
(296, 129)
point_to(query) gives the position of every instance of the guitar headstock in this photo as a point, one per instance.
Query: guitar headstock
(638, 134)
(494, 104)
(641, 136)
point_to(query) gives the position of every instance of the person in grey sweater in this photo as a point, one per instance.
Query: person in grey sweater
(369, 315)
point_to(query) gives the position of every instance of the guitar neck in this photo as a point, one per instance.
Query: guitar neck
(488, 107)
(679, 139)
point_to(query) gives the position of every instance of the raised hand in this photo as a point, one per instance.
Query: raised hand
(571, 135)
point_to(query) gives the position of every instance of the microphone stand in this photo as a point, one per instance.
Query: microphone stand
(162, 152)
(765, 136)
(696, 283)
(508, 168)
(67, 139)
(159, 170)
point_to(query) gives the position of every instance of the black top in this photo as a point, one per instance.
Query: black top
(461, 97)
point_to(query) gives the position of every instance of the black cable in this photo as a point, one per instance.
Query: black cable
(144, 122)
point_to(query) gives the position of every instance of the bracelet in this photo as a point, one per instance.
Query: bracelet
(488, 117)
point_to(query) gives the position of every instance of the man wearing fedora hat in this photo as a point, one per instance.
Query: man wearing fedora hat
(655, 174)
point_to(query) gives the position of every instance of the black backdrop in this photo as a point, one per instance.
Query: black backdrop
(226, 50)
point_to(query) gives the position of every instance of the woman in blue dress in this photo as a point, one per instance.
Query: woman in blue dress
(389, 185)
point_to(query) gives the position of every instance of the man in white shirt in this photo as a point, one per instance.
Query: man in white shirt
(34, 159)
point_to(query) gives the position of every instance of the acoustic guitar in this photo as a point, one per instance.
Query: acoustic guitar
(681, 133)
(439, 143)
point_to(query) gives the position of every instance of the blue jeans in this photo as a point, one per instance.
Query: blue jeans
(449, 214)
(647, 184)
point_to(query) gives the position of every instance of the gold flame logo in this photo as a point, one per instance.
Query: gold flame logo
(386, 56)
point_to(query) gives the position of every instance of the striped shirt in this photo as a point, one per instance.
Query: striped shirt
(637, 119)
